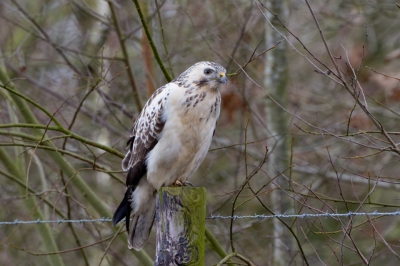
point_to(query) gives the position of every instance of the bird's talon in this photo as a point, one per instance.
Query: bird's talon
(177, 183)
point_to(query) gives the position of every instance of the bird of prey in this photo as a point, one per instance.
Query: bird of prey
(168, 142)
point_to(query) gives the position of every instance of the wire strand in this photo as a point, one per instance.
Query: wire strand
(214, 217)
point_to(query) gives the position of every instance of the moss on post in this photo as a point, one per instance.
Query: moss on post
(180, 222)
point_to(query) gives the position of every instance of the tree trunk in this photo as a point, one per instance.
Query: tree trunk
(276, 76)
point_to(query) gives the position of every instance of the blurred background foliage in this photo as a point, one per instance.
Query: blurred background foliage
(90, 65)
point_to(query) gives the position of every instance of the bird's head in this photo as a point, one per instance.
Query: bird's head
(205, 73)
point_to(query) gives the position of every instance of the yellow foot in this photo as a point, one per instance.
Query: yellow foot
(178, 183)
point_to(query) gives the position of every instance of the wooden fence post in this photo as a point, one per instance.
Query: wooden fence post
(180, 223)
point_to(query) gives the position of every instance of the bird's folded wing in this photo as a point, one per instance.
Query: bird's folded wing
(145, 135)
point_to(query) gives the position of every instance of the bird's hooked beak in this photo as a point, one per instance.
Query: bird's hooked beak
(223, 78)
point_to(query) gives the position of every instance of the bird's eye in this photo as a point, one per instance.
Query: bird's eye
(208, 71)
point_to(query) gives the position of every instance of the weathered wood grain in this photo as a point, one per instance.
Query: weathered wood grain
(180, 222)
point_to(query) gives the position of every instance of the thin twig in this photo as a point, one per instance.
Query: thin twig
(153, 47)
(109, 244)
(326, 73)
(69, 133)
(309, 242)
(234, 254)
(48, 39)
(67, 250)
(127, 61)
(163, 38)
(345, 84)
(348, 121)
(385, 75)
(74, 155)
(237, 72)
(241, 189)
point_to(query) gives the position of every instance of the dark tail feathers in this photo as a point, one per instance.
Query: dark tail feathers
(124, 209)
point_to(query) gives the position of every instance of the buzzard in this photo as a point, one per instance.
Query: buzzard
(168, 142)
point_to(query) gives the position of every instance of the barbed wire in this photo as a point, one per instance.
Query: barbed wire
(57, 221)
(214, 217)
(306, 215)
